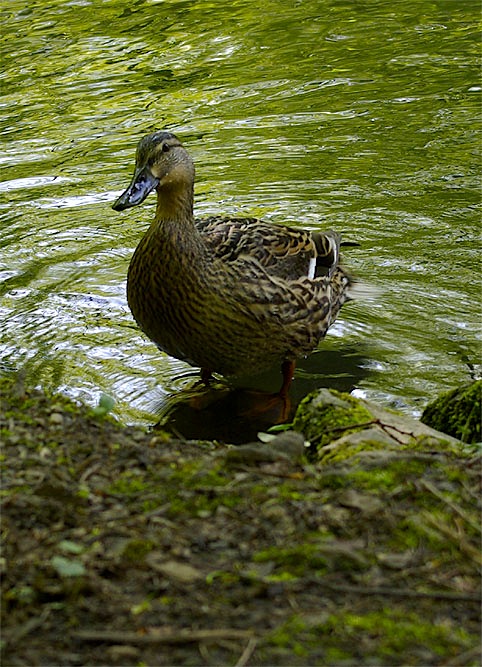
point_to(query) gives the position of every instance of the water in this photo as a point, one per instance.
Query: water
(361, 117)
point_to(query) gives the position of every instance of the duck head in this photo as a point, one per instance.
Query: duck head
(161, 162)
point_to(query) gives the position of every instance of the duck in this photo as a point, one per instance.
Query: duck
(229, 295)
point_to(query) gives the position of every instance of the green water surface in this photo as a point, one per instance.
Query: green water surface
(345, 114)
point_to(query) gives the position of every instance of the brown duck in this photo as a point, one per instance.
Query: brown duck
(230, 295)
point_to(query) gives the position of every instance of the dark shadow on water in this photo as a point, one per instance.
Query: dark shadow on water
(237, 411)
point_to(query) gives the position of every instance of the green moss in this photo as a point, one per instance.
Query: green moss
(379, 635)
(135, 551)
(350, 450)
(409, 535)
(18, 488)
(20, 595)
(128, 485)
(395, 632)
(294, 560)
(225, 577)
(166, 600)
(390, 476)
(457, 413)
(289, 492)
(333, 480)
(335, 654)
(280, 577)
(200, 504)
(286, 633)
(192, 475)
(327, 415)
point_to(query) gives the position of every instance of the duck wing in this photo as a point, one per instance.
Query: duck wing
(282, 251)
(284, 318)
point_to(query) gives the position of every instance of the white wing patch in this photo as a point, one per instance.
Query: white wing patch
(312, 268)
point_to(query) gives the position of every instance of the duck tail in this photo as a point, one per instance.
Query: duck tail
(360, 290)
(327, 246)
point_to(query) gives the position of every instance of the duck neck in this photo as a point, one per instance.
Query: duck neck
(174, 228)
(175, 203)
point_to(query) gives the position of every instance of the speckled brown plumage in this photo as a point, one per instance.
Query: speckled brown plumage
(230, 295)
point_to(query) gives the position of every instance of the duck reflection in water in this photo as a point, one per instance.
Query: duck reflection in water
(233, 296)
(230, 412)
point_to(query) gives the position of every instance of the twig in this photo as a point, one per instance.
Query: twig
(467, 548)
(206, 656)
(340, 429)
(272, 473)
(247, 653)
(161, 636)
(464, 658)
(427, 485)
(28, 627)
(373, 422)
(398, 592)
(90, 471)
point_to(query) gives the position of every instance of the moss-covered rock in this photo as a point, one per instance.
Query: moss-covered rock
(340, 426)
(328, 414)
(458, 413)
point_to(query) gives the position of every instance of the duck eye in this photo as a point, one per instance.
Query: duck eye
(165, 148)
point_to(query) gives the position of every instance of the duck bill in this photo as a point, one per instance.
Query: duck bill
(141, 185)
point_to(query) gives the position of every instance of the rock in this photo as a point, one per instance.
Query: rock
(327, 415)
(339, 425)
(397, 561)
(290, 444)
(56, 419)
(367, 504)
(457, 412)
(173, 569)
(287, 446)
(122, 654)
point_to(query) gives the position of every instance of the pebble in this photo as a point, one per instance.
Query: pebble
(367, 504)
(56, 419)
(288, 446)
(123, 653)
(181, 572)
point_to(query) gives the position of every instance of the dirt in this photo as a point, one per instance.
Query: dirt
(123, 547)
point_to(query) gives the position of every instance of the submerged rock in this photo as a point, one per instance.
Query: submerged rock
(457, 412)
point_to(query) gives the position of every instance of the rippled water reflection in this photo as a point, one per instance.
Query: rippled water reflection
(354, 116)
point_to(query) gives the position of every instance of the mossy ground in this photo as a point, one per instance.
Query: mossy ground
(128, 548)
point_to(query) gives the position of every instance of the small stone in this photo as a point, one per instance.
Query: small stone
(315, 619)
(396, 561)
(366, 503)
(123, 653)
(288, 446)
(173, 569)
(335, 516)
(291, 444)
(56, 419)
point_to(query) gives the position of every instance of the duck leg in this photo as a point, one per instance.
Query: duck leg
(271, 408)
(288, 371)
(267, 409)
(206, 376)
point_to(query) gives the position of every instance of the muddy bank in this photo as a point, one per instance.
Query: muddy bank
(122, 547)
